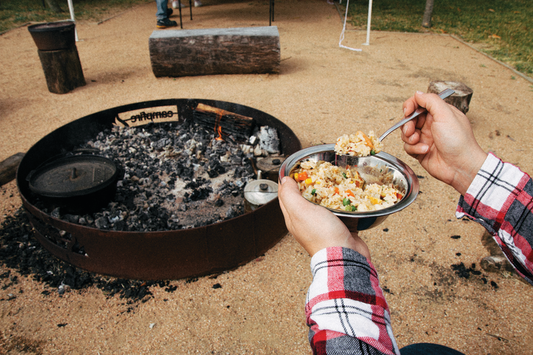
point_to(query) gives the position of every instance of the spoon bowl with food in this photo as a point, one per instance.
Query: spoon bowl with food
(361, 194)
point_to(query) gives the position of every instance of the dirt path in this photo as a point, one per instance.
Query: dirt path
(322, 91)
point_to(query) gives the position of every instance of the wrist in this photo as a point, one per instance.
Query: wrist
(464, 177)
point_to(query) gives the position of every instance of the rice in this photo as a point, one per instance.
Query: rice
(342, 188)
(358, 144)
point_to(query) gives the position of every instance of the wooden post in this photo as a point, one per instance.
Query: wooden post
(461, 98)
(62, 69)
(248, 50)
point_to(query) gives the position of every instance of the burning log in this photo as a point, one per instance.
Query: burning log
(224, 122)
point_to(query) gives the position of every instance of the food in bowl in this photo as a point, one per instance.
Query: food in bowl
(343, 188)
(358, 144)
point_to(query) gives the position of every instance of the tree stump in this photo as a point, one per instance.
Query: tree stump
(460, 99)
(62, 69)
(8, 168)
(248, 50)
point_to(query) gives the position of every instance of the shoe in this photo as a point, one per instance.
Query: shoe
(169, 12)
(177, 4)
(197, 3)
(164, 23)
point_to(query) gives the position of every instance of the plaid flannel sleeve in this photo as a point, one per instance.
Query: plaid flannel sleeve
(500, 199)
(345, 308)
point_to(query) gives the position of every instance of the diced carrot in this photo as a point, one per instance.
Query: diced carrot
(336, 190)
(399, 196)
(368, 141)
(350, 193)
(302, 175)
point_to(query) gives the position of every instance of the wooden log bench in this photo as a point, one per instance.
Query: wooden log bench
(247, 50)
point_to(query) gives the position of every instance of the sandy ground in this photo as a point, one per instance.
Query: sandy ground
(321, 92)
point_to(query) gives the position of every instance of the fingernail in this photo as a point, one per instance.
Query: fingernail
(285, 178)
(404, 110)
(419, 92)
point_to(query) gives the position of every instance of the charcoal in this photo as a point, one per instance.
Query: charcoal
(172, 177)
(102, 223)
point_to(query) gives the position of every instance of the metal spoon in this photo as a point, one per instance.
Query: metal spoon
(444, 94)
(372, 168)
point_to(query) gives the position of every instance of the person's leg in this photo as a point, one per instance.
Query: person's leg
(428, 349)
(161, 9)
(162, 15)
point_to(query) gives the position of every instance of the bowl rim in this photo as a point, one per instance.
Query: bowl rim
(413, 186)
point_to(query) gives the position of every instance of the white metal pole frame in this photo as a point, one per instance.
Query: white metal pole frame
(71, 10)
(368, 23)
(367, 27)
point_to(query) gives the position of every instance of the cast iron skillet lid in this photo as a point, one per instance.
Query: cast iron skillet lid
(73, 176)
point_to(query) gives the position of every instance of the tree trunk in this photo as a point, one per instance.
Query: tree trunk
(426, 21)
(54, 6)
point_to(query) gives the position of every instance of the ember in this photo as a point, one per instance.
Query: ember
(174, 176)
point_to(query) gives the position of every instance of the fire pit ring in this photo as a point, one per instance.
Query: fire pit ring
(158, 255)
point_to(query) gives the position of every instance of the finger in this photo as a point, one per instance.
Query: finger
(420, 121)
(284, 194)
(415, 150)
(433, 103)
(408, 129)
(288, 191)
(409, 106)
(412, 138)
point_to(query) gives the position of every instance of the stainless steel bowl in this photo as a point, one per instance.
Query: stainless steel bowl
(371, 168)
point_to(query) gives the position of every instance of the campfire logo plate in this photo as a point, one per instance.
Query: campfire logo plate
(147, 115)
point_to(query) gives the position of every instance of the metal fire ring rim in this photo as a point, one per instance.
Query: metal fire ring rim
(252, 245)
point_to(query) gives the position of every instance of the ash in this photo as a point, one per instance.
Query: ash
(21, 254)
(175, 176)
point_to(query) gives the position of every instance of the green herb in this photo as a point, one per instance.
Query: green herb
(344, 174)
(372, 152)
(350, 208)
(346, 201)
(313, 192)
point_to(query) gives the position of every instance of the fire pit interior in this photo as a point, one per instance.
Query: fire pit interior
(178, 209)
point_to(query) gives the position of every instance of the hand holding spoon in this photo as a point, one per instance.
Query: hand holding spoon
(444, 94)
(366, 165)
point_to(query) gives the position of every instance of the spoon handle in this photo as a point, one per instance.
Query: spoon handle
(444, 94)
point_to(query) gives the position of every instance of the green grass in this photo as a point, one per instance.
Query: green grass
(502, 28)
(15, 13)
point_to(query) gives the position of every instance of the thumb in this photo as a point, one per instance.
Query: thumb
(288, 191)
